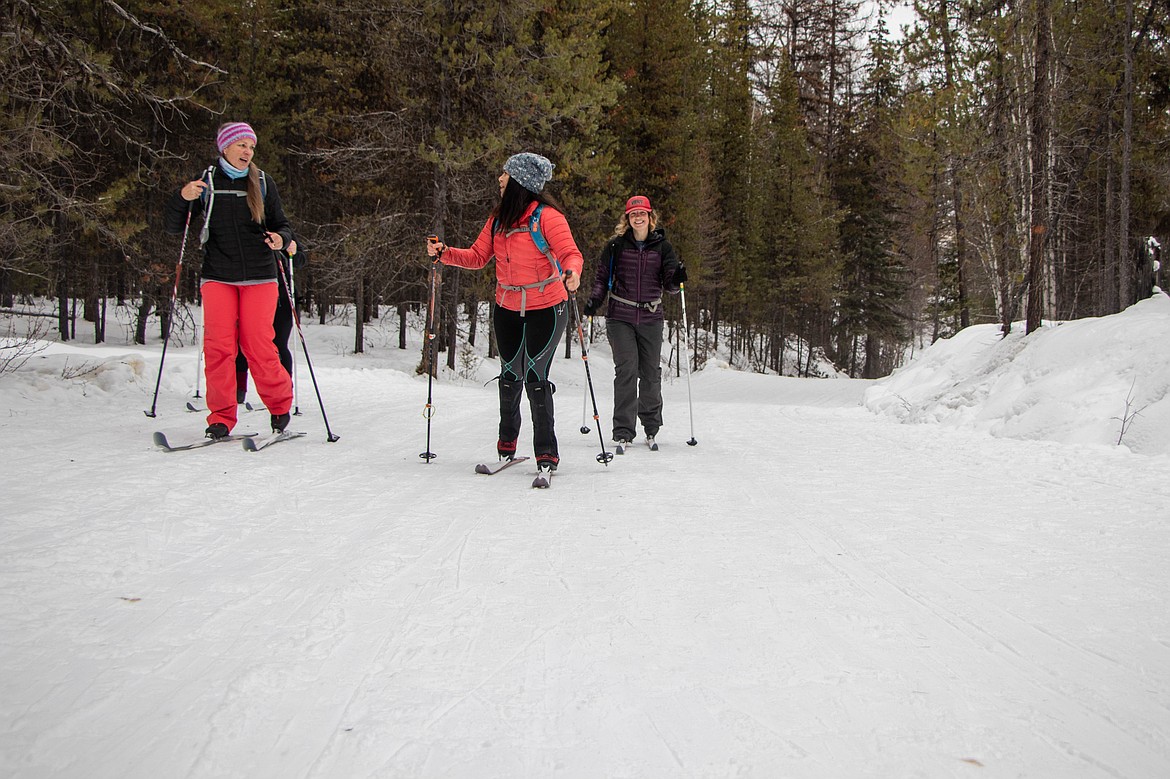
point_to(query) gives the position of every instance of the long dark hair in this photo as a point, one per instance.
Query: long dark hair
(515, 202)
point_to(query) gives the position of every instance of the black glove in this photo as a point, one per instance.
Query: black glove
(680, 274)
(593, 306)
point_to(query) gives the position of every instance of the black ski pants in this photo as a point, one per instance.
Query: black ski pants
(527, 346)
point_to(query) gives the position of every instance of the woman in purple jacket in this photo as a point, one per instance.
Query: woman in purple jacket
(636, 266)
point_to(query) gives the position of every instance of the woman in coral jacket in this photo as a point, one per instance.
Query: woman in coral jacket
(243, 224)
(531, 297)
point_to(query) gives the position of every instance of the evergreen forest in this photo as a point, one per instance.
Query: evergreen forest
(838, 188)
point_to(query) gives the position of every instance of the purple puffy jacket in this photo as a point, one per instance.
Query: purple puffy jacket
(635, 278)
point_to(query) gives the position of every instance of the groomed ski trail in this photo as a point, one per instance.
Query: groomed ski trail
(877, 600)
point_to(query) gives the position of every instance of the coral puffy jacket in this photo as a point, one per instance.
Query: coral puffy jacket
(519, 262)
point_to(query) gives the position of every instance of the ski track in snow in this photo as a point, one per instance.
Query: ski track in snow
(811, 591)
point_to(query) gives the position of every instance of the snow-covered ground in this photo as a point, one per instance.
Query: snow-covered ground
(814, 590)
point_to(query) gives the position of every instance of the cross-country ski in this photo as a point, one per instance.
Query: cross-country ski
(171, 442)
(492, 468)
(265, 441)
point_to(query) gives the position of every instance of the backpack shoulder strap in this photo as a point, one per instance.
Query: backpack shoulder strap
(538, 236)
(613, 244)
(539, 239)
(211, 170)
(205, 195)
(207, 198)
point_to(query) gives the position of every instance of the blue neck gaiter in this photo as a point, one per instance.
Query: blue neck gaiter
(232, 171)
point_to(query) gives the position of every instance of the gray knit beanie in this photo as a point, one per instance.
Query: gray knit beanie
(531, 171)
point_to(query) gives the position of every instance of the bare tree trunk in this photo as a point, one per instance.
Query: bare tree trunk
(1040, 124)
(371, 309)
(713, 320)
(1126, 287)
(1108, 294)
(800, 339)
(7, 299)
(359, 304)
(1005, 227)
(143, 313)
(731, 339)
(63, 306)
(90, 311)
(401, 325)
(99, 330)
(871, 368)
(956, 179)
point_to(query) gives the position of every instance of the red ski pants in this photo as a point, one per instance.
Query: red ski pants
(240, 318)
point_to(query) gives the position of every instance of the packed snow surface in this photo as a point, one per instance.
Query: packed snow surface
(814, 590)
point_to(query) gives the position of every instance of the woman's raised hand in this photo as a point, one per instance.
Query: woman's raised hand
(193, 189)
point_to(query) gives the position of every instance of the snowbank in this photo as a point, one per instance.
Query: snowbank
(1097, 381)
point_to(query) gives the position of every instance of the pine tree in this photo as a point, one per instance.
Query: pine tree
(798, 260)
(866, 182)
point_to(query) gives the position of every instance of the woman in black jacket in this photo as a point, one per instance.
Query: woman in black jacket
(243, 223)
(636, 266)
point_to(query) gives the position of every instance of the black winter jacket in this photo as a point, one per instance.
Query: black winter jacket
(235, 249)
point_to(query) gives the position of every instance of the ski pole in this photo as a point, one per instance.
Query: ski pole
(690, 402)
(292, 294)
(429, 337)
(584, 406)
(199, 354)
(330, 437)
(171, 321)
(605, 457)
(585, 398)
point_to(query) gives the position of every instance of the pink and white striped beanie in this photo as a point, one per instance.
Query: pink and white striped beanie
(232, 132)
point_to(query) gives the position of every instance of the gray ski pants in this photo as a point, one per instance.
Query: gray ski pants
(637, 380)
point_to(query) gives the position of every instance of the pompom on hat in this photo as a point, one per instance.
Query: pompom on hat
(232, 132)
(531, 171)
(638, 203)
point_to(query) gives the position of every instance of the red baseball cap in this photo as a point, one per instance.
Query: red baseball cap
(638, 203)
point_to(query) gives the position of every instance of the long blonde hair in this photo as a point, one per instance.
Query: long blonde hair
(255, 195)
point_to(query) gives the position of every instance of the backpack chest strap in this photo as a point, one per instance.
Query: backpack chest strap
(211, 192)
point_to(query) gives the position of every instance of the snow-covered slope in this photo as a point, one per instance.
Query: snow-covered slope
(1076, 382)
